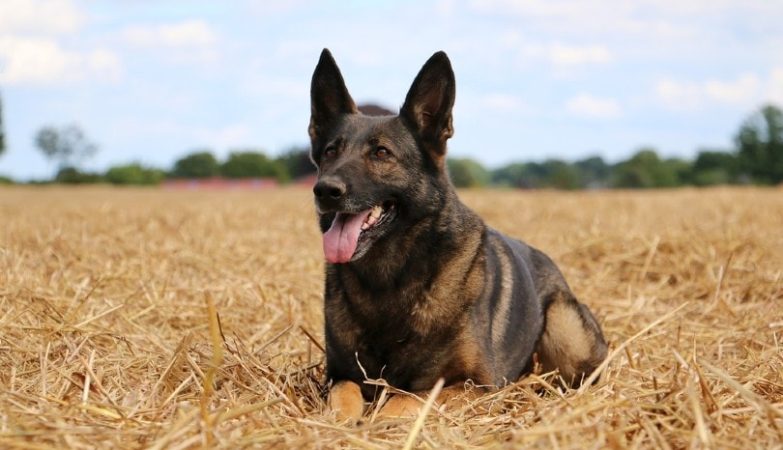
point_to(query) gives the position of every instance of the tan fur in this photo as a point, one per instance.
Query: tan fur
(566, 345)
(401, 405)
(345, 399)
(454, 396)
(500, 315)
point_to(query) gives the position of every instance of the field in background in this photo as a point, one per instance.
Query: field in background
(105, 332)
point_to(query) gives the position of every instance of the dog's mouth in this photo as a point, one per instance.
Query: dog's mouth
(352, 234)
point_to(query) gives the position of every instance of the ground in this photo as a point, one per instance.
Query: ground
(107, 339)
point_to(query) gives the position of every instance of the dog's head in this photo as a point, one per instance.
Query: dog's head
(378, 175)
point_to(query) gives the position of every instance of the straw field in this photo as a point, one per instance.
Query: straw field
(142, 318)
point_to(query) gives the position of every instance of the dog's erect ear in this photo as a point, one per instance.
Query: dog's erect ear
(329, 98)
(429, 102)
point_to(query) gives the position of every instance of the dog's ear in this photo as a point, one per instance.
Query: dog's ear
(429, 102)
(329, 98)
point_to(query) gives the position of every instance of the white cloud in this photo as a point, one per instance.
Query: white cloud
(37, 60)
(445, 7)
(235, 135)
(746, 89)
(556, 53)
(564, 55)
(104, 64)
(190, 33)
(641, 15)
(502, 102)
(39, 16)
(587, 105)
(739, 91)
(678, 95)
(31, 50)
(774, 89)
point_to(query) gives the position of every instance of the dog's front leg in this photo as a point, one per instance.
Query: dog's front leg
(345, 399)
(406, 405)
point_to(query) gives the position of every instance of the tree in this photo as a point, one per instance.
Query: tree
(2, 133)
(646, 170)
(594, 172)
(134, 173)
(714, 167)
(297, 162)
(760, 145)
(72, 175)
(252, 164)
(199, 164)
(511, 175)
(559, 174)
(67, 145)
(466, 172)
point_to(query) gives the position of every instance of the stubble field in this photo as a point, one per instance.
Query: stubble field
(108, 338)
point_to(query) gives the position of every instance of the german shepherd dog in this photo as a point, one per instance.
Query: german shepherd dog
(417, 286)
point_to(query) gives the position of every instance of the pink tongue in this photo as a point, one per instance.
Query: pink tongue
(341, 238)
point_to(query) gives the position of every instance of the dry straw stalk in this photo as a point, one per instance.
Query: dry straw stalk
(134, 318)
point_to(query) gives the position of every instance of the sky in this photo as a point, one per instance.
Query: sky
(149, 81)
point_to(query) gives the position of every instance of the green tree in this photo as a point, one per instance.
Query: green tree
(594, 172)
(297, 162)
(466, 172)
(252, 164)
(511, 175)
(199, 164)
(67, 145)
(134, 173)
(675, 172)
(72, 175)
(714, 167)
(552, 173)
(646, 170)
(559, 174)
(760, 145)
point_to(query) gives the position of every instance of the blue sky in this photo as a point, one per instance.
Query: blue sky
(150, 80)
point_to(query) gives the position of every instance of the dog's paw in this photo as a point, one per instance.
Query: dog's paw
(345, 400)
(401, 406)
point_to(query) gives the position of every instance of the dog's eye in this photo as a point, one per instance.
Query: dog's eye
(381, 153)
(330, 152)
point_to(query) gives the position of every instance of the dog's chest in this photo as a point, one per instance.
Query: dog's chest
(406, 346)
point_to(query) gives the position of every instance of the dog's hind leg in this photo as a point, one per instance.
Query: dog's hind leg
(572, 341)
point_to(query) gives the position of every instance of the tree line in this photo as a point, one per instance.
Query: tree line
(199, 164)
(757, 158)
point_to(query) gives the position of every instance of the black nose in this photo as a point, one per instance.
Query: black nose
(329, 189)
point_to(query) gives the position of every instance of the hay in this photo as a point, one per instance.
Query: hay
(107, 338)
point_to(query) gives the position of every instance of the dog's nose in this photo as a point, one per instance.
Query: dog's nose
(329, 189)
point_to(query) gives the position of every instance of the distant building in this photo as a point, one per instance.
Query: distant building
(371, 109)
(218, 183)
(307, 181)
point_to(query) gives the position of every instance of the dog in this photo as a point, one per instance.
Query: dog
(418, 287)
